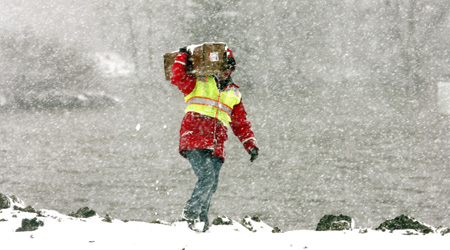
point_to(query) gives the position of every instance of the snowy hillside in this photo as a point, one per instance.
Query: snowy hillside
(22, 227)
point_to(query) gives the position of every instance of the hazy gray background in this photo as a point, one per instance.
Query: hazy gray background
(342, 96)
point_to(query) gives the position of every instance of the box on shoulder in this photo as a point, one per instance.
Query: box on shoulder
(169, 59)
(204, 59)
(208, 58)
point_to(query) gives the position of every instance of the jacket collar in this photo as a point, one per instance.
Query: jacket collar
(224, 84)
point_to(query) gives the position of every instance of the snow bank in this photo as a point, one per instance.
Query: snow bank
(58, 231)
(112, 65)
(56, 99)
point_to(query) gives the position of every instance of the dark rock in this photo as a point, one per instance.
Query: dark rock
(30, 225)
(157, 221)
(222, 221)
(334, 223)
(445, 231)
(247, 223)
(4, 201)
(254, 224)
(404, 222)
(256, 218)
(28, 209)
(15, 199)
(107, 219)
(84, 212)
(363, 230)
(276, 230)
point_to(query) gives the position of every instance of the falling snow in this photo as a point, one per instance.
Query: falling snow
(342, 95)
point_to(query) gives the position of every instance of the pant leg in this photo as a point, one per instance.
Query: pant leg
(206, 167)
(217, 162)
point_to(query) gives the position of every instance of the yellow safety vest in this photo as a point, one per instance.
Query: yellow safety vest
(206, 99)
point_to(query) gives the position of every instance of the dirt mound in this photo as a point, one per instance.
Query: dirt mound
(334, 223)
(30, 225)
(404, 222)
(84, 212)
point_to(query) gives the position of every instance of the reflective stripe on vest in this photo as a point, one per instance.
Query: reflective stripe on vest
(207, 100)
(210, 102)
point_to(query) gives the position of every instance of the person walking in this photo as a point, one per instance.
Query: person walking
(213, 104)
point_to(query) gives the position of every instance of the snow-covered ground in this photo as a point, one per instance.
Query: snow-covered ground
(59, 231)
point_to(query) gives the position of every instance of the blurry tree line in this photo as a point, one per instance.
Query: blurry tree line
(41, 72)
(32, 63)
(399, 47)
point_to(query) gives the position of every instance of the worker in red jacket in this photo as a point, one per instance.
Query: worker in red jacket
(213, 103)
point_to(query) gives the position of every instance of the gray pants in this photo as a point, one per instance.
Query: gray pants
(206, 167)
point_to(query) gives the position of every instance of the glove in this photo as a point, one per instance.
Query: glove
(188, 61)
(254, 154)
(183, 50)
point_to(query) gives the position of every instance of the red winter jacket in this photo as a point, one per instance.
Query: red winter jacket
(203, 132)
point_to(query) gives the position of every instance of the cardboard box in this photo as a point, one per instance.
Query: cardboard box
(205, 59)
(169, 59)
